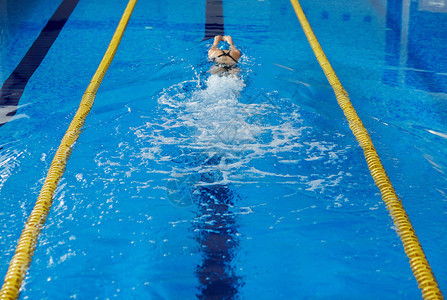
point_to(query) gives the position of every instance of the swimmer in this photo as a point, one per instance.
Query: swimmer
(226, 60)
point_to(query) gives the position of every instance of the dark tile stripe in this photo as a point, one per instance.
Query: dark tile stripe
(214, 23)
(14, 86)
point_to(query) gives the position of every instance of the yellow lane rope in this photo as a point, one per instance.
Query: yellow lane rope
(418, 262)
(28, 239)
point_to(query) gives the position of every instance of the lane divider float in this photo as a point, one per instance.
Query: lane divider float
(28, 239)
(418, 262)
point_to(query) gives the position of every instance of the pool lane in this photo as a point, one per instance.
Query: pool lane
(214, 20)
(13, 88)
(28, 239)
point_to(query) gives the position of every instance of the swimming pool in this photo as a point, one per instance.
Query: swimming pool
(184, 184)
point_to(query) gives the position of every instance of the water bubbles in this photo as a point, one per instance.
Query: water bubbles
(224, 130)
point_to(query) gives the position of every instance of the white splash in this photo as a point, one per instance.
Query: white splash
(219, 131)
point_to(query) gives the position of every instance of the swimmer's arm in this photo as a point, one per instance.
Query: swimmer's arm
(229, 40)
(233, 49)
(217, 39)
(214, 51)
(235, 52)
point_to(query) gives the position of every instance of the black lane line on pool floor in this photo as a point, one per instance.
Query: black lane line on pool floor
(214, 22)
(13, 88)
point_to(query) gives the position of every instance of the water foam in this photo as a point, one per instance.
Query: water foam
(221, 131)
(206, 127)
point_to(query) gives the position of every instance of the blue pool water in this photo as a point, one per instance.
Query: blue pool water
(186, 185)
